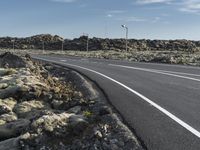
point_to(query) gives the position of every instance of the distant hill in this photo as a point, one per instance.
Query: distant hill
(54, 42)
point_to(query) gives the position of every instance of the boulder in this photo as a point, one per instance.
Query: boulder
(12, 61)
(11, 91)
(78, 123)
(75, 110)
(13, 129)
(6, 105)
(50, 122)
(3, 85)
(30, 109)
(6, 118)
(10, 144)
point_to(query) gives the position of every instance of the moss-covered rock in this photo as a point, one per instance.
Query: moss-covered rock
(30, 109)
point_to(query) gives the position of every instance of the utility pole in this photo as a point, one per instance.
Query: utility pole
(62, 47)
(30, 43)
(43, 47)
(124, 26)
(87, 42)
(13, 44)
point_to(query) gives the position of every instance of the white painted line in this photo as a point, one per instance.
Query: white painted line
(155, 71)
(84, 59)
(175, 72)
(63, 60)
(170, 115)
(170, 65)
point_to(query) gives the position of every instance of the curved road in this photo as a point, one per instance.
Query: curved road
(160, 102)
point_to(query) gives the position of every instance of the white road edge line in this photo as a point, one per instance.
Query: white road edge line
(170, 115)
(155, 71)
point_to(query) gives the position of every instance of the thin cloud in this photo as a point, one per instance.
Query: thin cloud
(143, 2)
(191, 6)
(156, 19)
(116, 11)
(109, 15)
(112, 13)
(64, 1)
(131, 19)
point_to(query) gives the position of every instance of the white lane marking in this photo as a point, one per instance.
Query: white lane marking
(170, 115)
(63, 60)
(175, 72)
(155, 71)
(84, 59)
(170, 65)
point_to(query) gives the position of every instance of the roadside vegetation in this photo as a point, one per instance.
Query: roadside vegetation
(44, 107)
(169, 57)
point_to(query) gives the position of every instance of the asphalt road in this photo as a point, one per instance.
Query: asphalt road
(161, 103)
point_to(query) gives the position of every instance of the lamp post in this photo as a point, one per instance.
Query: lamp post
(124, 26)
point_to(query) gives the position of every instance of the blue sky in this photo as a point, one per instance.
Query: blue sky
(146, 19)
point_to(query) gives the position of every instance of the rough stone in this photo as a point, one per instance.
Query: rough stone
(13, 129)
(30, 109)
(10, 117)
(3, 85)
(9, 92)
(104, 110)
(12, 61)
(57, 104)
(75, 110)
(49, 122)
(6, 105)
(10, 144)
(78, 123)
(98, 134)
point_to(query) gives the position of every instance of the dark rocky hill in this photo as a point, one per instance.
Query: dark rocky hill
(55, 43)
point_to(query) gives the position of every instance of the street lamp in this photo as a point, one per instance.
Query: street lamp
(124, 26)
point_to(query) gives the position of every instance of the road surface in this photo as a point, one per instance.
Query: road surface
(159, 102)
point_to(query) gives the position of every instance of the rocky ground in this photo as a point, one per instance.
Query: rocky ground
(55, 42)
(185, 52)
(47, 107)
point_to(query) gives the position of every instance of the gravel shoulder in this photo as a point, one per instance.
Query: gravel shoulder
(48, 107)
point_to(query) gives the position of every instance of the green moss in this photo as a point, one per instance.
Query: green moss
(10, 72)
(2, 122)
(87, 114)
